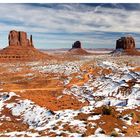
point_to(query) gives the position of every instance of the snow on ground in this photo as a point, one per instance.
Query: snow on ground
(39, 118)
(4, 96)
(33, 115)
(127, 118)
(21, 134)
(99, 132)
(112, 89)
(95, 117)
(66, 68)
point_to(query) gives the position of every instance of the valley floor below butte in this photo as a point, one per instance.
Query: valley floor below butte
(76, 96)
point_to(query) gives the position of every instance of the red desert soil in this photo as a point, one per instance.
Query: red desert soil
(13, 124)
(46, 91)
(78, 51)
(50, 99)
(136, 69)
(109, 122)
(97, 71)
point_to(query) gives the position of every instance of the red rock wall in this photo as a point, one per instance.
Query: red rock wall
(76, 44)
(19, 38)
(125, 43)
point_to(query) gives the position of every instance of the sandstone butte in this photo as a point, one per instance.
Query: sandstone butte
(77, 49)
(20, 48)
(127, 44)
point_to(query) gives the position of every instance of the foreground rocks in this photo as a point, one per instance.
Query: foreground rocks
(46, 99)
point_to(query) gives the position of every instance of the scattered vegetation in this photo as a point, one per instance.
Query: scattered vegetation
(132, 114)
(114, 134)
(106, 110)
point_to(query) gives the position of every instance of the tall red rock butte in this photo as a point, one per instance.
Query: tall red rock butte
(20, 48)
(76, 44)
(127, 46)
(19, 39)
(77, 49)
(126, 43)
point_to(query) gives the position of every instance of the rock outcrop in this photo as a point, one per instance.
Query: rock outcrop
(21, 48)
(125, 46)
(19, 38)
(126, 43)
(76, 44)
(77, 49)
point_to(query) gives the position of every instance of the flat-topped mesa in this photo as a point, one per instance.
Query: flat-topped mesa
(77, 44)
(126, 43)
(19, 38)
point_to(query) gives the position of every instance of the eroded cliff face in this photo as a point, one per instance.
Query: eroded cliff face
(126, 43)
(77, 44)
(19, 38)
(20, 48)
(77, 49)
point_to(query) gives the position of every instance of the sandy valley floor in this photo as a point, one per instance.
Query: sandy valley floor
(95, 95)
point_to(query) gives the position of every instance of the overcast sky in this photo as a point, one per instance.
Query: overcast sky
(59, 25)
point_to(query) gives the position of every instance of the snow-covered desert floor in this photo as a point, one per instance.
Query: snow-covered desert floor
(91, 96)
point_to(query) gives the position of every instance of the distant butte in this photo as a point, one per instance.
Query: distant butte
(19, 38)
(20, 48)
(77, 49)
(126, 45)
(76, 44)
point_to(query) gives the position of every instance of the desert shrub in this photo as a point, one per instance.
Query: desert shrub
(114, 134)
(41, 133)
(132, 114)
(106, 110)
(8, 130)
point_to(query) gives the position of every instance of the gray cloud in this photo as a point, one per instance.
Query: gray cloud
(69, 19)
